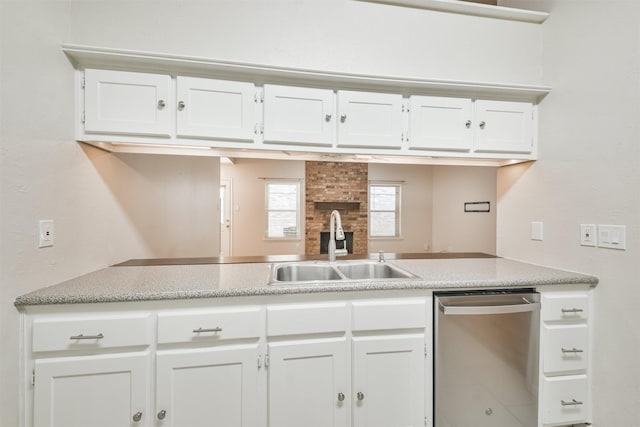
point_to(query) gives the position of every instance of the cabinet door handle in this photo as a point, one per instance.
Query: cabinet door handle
(343, 118)
(572, 310)
(137, 416)
(87, 337)
(199, 330)
(162, 414)
(341, 397)
(161, 103)
(327, 117)
(572, 403)
(360, 395)
(181, 105)
(572, 350)
(467, 124)
(482, 124)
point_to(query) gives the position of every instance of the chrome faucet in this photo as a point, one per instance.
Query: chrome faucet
(336, 233)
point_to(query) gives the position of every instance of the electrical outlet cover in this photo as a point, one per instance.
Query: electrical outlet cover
(588, 235)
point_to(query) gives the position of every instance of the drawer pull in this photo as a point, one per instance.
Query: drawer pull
(86, 337)
(572, 403)
(572, 350)
(572, 310)
(199, 330)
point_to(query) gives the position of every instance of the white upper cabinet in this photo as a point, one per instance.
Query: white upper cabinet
(503, 127)
(299, 115)
(120, 102)
(369, 120)
(440, 123)
(220, 109)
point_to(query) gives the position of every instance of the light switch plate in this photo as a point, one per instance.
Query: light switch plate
(612, 236)
(588, 235)
(537, 230)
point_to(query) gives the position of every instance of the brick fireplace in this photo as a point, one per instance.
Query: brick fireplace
(340, 186)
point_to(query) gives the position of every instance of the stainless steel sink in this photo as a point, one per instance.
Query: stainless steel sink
(372, 270)
(308, 272)
(305, 273)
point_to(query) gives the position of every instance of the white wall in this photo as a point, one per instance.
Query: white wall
(100, 220)
(588, 172)
(453, 229)
(416, 209)
(248, 220)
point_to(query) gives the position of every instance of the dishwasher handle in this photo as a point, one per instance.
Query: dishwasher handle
(448, 307)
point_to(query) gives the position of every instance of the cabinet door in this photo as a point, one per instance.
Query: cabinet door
(503, 127)
(369, 120)
(119, 102)
(98, 391)
(438, 123)
(389, 381)
(210, 108)
(307, 383)
(298, 115)
(208, 387)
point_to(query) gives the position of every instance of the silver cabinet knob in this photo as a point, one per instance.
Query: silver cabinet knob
(162, 414)
(343, 118)
(467, 124)
(482, 124)
(341, 397)
(181, 105)
(161, 103)
(360, 395)
(137, 416)
(327, 117)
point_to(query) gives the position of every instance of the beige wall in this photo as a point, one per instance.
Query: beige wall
(248, 206)
(101, 216)
(588, 172)
(453, 229)
(416, 209)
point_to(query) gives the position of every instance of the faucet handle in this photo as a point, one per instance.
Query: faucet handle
(381, 256)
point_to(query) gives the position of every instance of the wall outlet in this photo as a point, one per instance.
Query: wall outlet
(612, 236)
(45, 233)
(588, 235)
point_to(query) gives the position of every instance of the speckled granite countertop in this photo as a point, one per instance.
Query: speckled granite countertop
(168, 282)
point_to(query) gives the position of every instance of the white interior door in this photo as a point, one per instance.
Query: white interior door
(226, 229)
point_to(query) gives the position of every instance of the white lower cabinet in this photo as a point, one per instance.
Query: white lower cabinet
(388, 381)
(207, 387)
(308, 383)
(565, 349)
(108, 390)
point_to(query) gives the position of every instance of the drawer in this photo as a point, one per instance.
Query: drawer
(389, 314)
(567, 307)
(212, 325)
(88, 333)
(306, 319)
(566, 348)
(565, 400)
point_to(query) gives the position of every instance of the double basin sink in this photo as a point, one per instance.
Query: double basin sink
(301, 273)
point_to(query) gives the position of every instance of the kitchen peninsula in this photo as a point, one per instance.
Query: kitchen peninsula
(159, 336)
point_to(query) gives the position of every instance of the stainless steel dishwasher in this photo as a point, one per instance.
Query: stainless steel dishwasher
(486, 359)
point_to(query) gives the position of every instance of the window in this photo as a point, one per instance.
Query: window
(384, 210)
(283, 209)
